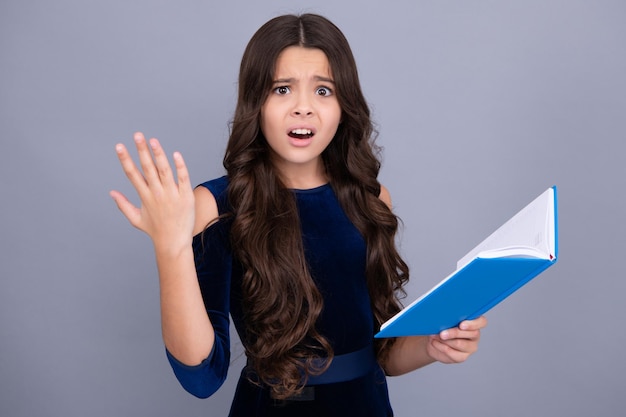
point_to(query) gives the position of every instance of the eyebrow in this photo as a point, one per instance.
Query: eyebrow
(291, 80)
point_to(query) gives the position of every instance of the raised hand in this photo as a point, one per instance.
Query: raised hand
(166, 213)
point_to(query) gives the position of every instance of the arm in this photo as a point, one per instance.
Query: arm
(450, 346)
(171, 214)
(188, 333)
(213, 264)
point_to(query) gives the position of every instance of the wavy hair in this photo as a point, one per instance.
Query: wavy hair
(281, 301)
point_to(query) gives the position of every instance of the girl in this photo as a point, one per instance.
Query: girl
(295, 243)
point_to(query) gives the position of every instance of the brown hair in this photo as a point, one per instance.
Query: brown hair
(281, 301)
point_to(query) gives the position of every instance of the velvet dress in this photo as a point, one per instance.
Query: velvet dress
(335, 252)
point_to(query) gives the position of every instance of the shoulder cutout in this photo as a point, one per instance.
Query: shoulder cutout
(206, 209)
(385, 196)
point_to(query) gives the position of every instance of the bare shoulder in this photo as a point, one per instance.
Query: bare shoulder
(385, 196)
(206, 209)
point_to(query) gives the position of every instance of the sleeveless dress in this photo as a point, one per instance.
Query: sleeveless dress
(335, 252)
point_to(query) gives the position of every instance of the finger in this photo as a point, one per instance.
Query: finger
(462, 345)
(476, 324)
(447, 353)
(131, 212)
(130, 169)
(145, 159)
(466, 329)
(457, 333)
(163, 167)
(184, 184)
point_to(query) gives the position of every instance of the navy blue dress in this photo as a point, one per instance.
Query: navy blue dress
(335, 252)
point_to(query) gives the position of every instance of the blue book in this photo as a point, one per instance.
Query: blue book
(511, 256)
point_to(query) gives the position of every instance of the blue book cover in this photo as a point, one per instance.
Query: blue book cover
(510, 257)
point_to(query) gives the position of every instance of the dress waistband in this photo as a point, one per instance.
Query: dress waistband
(344, 367)
(347, 367)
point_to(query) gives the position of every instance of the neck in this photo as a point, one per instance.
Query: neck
(303, 177)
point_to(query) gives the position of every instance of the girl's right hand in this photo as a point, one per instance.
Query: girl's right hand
(167, 206)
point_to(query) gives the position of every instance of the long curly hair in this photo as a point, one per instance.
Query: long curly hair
(281, 301)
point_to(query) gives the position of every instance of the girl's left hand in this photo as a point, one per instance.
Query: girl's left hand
(457, 344)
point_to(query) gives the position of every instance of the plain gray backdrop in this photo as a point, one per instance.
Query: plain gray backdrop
(480, 105)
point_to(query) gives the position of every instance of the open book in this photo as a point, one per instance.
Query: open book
(511, 256)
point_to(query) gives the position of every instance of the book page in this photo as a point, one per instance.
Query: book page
(529, 233)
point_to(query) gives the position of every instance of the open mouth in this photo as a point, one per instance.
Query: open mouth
(301, 134)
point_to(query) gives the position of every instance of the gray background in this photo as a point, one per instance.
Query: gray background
(481, 105)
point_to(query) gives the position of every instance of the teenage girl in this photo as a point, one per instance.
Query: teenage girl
(295, 242)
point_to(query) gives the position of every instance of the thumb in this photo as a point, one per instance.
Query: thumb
(132, 213)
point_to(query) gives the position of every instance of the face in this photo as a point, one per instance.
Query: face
(301, 115)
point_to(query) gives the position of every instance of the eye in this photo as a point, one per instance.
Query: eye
(282, 90)
(324, 91)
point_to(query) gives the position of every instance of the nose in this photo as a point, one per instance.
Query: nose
(302, 106)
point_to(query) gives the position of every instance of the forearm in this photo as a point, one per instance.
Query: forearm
(187, 331)
(407, 354)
